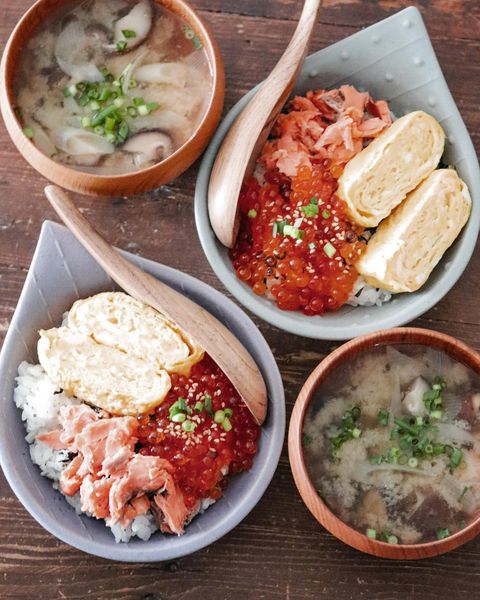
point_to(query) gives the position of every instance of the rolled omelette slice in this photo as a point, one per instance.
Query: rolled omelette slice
(101, 375)
(407, 245)
(377, 179)
(119, 321)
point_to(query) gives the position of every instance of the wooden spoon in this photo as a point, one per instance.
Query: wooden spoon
(214, 337)
(245, 139)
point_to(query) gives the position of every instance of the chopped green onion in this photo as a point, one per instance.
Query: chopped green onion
(128, 33)
(179, 417)
(356, 433)
(101, 115)
(152, 106)
(132, 111)
(198, 406)
(228, 412)
(138, 101)
(383, 416)
(371, 533)
(413, 462)
(312, 246)
(99, 130)
(456, 458)
(392, 539)
(143, 110)
(118, 102)
(252, 213)
(329, 250)
(132, 84)
(121, 45)
(219, 416)
(293, 232)
(28, 132)
(94, 105)
(462, 495)
(226, 424)
(86, 122)
(123, 132)
(442, 533)
(111, 137)
(83, 100)
(189, 426)
(356, 412)
(311, 210)
(110, 123)
(436, 414)
(208, 404)
(419, 421)
(325, 214)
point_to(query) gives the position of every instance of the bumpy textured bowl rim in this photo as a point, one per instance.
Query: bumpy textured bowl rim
(29, 492)
(330, 327)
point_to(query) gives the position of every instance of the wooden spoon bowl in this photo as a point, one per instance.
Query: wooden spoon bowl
(402, 335)
(108, 185)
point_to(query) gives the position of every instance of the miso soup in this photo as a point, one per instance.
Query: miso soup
(112, 86)
(392, 443)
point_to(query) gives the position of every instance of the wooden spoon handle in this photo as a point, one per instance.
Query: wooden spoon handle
(263, 109)
(203, 327)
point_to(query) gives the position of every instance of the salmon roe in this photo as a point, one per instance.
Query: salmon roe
(202, 457)
(296, 244)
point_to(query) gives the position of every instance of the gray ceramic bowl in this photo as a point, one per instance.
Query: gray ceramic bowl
(394, 60)
(61, 272)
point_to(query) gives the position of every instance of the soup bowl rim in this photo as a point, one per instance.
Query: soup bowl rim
(316, 505)
(132, 182)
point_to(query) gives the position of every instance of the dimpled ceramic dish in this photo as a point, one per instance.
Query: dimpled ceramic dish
(393, 60)
(61, 272)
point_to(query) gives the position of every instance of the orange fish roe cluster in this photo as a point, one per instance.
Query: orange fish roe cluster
(204, 429)
(296, 243)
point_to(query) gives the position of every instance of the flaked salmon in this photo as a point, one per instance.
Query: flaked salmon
(115, 483)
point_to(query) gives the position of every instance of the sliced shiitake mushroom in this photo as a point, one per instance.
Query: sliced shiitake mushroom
(138, 23)
(148, 146)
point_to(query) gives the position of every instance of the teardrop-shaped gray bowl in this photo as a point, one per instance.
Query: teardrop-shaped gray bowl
(61, 272)
(393, 60)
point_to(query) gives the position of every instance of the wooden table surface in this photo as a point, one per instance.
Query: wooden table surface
(279, 551)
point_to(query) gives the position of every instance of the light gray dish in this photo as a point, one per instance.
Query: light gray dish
(393, 60)
(60, 273)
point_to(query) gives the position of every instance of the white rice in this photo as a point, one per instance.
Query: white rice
(40, 401)
(364, 294)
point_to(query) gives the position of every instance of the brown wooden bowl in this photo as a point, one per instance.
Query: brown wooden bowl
(406, 335)
(109, 185)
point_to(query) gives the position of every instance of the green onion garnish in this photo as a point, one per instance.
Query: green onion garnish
(462, 495)
(293, 232)
(138, 101)
(132, 111)
(252, 213)
(128, 33)
(121, 45)
(189, 426)
(179, 417)
(442, 533)
(329, 250)
(325, 214)
(208, 404)
(86, 122)
(228, 412)
(28, 132)
(392, 539)
(311, 210)
(94, 105)
(413, 462)
(371, 533)
(226, 424)
(312, 246)
(198, 407)
(219, 416)
(143, 110)
(152, 106)
(456, 458)
(383, 416)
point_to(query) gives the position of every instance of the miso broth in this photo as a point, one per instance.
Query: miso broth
(112, 86)
(392, 443)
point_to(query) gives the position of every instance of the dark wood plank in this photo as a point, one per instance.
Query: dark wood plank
(302, 561)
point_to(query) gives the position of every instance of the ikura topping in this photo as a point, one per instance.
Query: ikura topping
(296, 243)
(203, 429)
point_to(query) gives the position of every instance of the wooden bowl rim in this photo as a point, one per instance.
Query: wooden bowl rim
(61, 172)
(306, 489)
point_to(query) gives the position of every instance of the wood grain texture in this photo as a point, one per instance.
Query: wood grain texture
(102, 185)
(279, 551)
(342, 356)
(244, 141)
